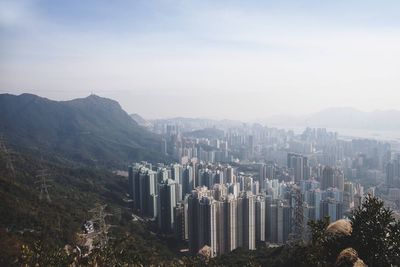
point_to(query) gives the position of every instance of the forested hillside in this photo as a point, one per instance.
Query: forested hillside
(92, 130)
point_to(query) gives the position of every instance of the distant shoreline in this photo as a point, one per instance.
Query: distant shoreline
(346, 133)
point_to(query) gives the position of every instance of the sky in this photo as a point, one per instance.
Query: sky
(216, 59)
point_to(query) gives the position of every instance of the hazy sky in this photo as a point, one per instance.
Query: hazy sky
(236, 59)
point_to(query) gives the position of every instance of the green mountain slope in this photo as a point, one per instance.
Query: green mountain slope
(91, 130)
(75, 142)
(25, 219)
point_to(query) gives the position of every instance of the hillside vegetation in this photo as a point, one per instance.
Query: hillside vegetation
(92, 130)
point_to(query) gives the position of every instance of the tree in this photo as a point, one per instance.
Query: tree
(42, 255)
(318, 251)
(376, 233)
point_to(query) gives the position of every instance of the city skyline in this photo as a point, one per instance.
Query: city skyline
(238, 60)
(199, 133)
(257, 185)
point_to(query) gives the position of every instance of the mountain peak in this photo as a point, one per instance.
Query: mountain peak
(27, 95)
(95, 100)
(94, 96)
(91, 128)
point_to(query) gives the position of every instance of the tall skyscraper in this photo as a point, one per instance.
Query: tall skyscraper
(298, 164)
(221, 231)
(231, 222)
(219, 191)
(143, 187)
(130, 181)
(339, 179)
(260, 218)
(179, 221)
(315, 201)
(166, 204)
(220, 177)
(249, 220)
(147, 192)
(197, 219)
(348, 196)
(230, 175)
(332, 177)
(328, 178)
(239, 222)
(390, 173)
(177, 173)
(187, 180)
(206, 178)
(262, 172)
(332, 208)
(136, 186)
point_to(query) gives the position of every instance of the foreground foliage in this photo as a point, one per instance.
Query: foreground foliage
(376, 234)
(35, 231)
(374, 230)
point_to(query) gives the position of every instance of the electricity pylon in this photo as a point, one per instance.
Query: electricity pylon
(298, 218)
(99, 216)
(43, 178)
(8, 157)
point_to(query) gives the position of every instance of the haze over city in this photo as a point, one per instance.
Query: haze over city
(236, 60)
(200, 133)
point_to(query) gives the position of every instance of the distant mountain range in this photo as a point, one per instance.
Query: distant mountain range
(193, 124)
(211, 133)
(91, 130)
(342, 118)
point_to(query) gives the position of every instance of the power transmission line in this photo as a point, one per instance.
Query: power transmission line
(43, 178)
(8, 157)
(298, 217)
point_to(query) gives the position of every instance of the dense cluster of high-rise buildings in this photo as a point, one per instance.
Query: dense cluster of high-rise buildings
(258, 185)
(368, 161)
(217, 206)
